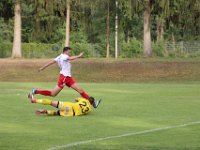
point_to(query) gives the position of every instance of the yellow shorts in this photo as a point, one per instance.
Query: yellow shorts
(66, 109)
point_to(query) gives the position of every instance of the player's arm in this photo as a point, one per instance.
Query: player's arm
(47, 65)
(75, 57)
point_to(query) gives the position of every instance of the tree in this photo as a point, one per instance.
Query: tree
(116, 30)
(108, 31)
(47, 17)
(147, 31)
(67, 22)
(16, 51)
(98, 22)
(161, 10)
(182, 23)
(136, 6)
(44, 21)
(7, 12)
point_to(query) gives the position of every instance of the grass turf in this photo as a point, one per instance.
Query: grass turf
(126, 108)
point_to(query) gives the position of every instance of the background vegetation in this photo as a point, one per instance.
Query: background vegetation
(43, 26)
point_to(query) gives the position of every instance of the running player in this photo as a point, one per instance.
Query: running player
(82, 106)
(63, 61)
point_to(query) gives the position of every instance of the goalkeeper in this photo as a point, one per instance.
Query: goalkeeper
(82, 106)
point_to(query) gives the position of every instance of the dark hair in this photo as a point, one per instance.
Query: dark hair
(91, 100)
(66, 48)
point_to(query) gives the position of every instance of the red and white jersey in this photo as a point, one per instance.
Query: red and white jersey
(64, 64)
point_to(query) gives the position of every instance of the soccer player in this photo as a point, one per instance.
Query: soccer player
(82, 106)
(65, 78)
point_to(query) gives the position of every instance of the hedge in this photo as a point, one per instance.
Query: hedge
(40, 50)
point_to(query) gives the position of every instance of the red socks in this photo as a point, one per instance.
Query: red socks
(84, 95)
(43, 92)
(48, 93)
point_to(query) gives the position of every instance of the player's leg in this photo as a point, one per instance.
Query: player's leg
(55, 103)
(85, 95)
(45, 102)
(70, 82)
(56, 90)
(76, 87)
(42, 101)
(52, 93)
(41, 92)
(39, 101)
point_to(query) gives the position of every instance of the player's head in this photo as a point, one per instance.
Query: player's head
(66, 49)
(91, 100)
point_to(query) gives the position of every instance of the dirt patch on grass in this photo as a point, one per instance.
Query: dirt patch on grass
(102, 70)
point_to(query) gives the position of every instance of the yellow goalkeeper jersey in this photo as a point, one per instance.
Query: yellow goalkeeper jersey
(81, 107)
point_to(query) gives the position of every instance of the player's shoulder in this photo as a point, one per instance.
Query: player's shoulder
(82, 99)
(64, 56)
(57, 57)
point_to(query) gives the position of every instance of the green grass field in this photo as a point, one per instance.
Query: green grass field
(142, 116)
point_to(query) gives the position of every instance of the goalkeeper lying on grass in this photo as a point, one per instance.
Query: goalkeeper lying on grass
(82, 106)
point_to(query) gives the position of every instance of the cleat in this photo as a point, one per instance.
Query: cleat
(33, 90)
(96, 104)
(42, 111)
(30, 96)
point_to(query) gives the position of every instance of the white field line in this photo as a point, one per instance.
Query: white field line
(124, 135)
(1, 95)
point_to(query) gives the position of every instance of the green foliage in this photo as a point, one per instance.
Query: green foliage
(5, 49)
(196, 54)
(39, 50)
(78, 43)
(81, 47)
(6, 30)
(78, 37)
(6, 9)
(158, 48)
(133, 48)
(42, 50)
(43, 21)
(44, 18)
(32, 50)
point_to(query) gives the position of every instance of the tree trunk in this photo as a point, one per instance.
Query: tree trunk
(7, 27)
(160, 30)
(16, 51)
(147, 32)
(108, 33)
(67, 22)
(116, 30)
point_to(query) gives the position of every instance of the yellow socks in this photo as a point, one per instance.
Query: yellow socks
(43, 101)
(51, 112)
(46, 102)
